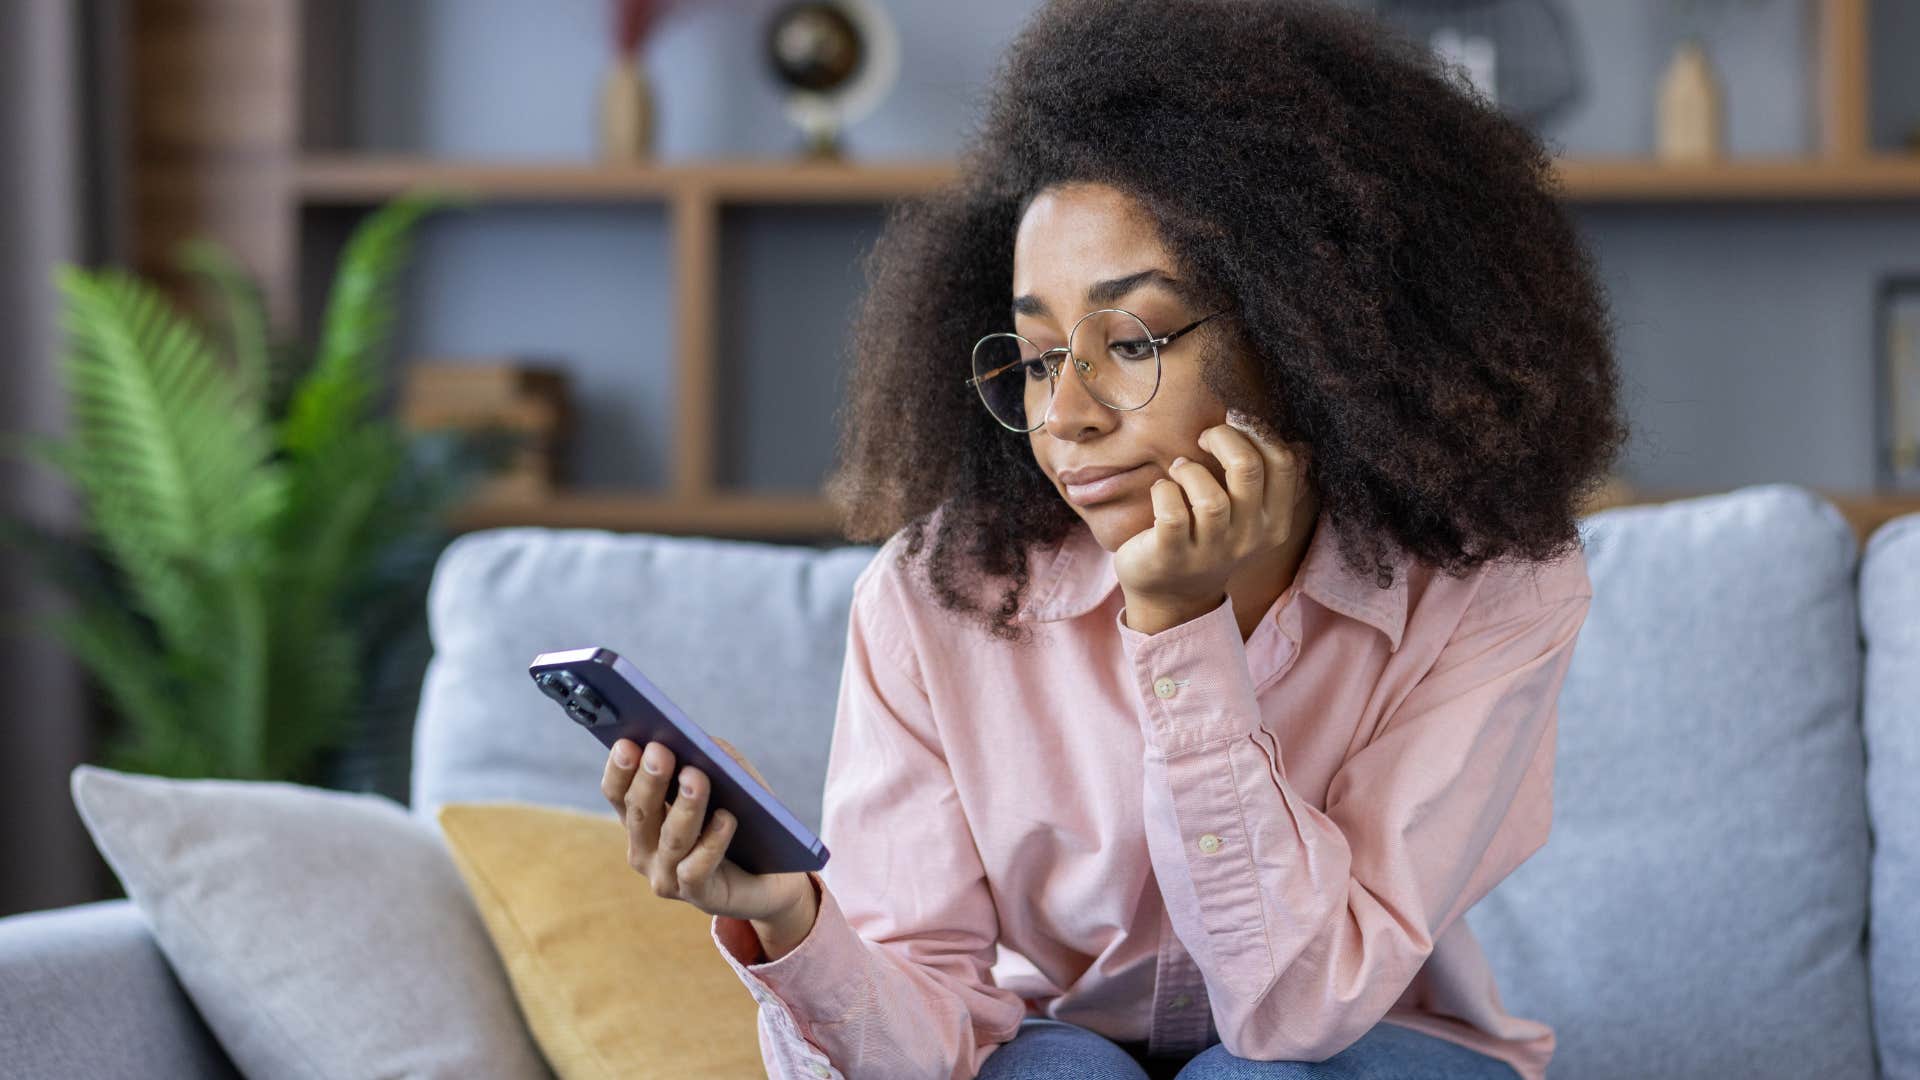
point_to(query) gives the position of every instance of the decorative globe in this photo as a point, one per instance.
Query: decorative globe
(814, 46)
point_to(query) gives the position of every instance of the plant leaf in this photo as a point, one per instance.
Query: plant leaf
(247, 333)
(336, 394)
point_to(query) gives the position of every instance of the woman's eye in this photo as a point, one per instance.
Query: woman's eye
(1036, 370)
(1132, 350)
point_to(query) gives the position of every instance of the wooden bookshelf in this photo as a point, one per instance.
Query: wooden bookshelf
(800, 516)
(361, 179)
(1865, 511)
(229, 153)
(1865, 178)
(759, 516)
(364, 180)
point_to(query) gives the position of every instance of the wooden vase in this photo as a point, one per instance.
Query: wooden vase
(1690, 108)
(626, 113)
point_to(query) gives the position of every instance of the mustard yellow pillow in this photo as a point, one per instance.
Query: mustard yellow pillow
(613, 980)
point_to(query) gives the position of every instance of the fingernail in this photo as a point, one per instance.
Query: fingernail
(623, 755)
(686, 781)
(651, 763)
(1177, 462)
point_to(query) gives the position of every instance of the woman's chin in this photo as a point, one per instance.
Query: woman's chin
(1116, 521)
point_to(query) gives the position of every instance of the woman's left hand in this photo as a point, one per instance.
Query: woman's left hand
(1178, 568)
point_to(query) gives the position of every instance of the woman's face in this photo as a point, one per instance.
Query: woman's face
(1073, 238)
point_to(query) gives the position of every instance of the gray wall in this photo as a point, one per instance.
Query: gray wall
(1744, 331)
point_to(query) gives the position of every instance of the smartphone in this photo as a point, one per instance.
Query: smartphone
(608, 696)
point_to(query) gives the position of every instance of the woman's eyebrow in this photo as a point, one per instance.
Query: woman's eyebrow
(1100, 293)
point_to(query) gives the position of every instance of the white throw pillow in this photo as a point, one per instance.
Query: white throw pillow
(320, 933)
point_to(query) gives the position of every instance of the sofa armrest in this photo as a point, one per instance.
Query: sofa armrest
(84, 991)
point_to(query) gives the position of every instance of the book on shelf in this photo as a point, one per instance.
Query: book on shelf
(524, 398)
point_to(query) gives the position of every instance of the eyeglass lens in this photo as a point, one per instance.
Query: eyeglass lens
(1117, 362)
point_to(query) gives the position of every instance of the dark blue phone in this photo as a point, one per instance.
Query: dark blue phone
(609, 697)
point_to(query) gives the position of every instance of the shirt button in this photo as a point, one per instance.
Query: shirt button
(1163, 686)
(1181, 1001)
(1209, 843)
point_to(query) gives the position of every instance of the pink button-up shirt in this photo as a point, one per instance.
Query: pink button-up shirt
(1176, 838)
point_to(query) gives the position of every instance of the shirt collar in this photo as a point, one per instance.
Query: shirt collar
(1076, 576)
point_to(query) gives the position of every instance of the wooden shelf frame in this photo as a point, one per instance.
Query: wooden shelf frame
(759, 515)
(804, 517)
(223, 154)
(353, 181)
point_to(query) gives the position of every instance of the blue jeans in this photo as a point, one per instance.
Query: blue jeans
(1050, 1048)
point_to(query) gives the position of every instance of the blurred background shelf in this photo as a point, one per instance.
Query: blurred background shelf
(747, 515)
(1864, 511)
(350, 180)
(345, 179)
(775, 516)
(1881, 176)
(702, 299)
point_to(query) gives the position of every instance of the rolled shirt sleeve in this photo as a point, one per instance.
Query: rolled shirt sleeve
(892, 980)
(1307, 925)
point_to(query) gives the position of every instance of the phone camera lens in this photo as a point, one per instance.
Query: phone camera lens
(584, 695)
(580, 715)
(549, 684)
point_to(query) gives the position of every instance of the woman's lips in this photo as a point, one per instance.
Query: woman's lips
(1106, 487)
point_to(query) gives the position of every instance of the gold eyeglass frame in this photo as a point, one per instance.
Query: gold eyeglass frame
(1080, 366)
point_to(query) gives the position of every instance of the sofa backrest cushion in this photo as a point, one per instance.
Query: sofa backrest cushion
(746, 637)
(1699, 907)
(1890, 624)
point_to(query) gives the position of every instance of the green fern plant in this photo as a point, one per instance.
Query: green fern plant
(255, 536)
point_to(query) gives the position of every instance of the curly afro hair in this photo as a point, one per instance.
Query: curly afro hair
(1392, 250)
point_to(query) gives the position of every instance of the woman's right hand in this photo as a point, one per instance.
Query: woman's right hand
(682, 860)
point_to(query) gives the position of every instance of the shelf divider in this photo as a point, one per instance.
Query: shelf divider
(1842, 78)
(694, 220)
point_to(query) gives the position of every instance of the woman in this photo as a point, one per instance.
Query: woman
(1195, 767)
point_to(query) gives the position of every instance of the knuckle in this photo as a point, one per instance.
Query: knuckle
(661, 887)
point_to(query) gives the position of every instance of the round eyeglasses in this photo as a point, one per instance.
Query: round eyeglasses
(1119, 365)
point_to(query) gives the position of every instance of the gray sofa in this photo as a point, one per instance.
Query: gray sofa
(1728, 891)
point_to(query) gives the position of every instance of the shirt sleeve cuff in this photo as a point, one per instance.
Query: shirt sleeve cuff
(821, 980)
(1194, 680)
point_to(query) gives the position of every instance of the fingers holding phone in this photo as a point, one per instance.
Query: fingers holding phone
(676, 847)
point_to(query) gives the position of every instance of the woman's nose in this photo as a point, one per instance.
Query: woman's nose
(1073, 408)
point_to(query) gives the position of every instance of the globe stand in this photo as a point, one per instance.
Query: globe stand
(819, 121)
